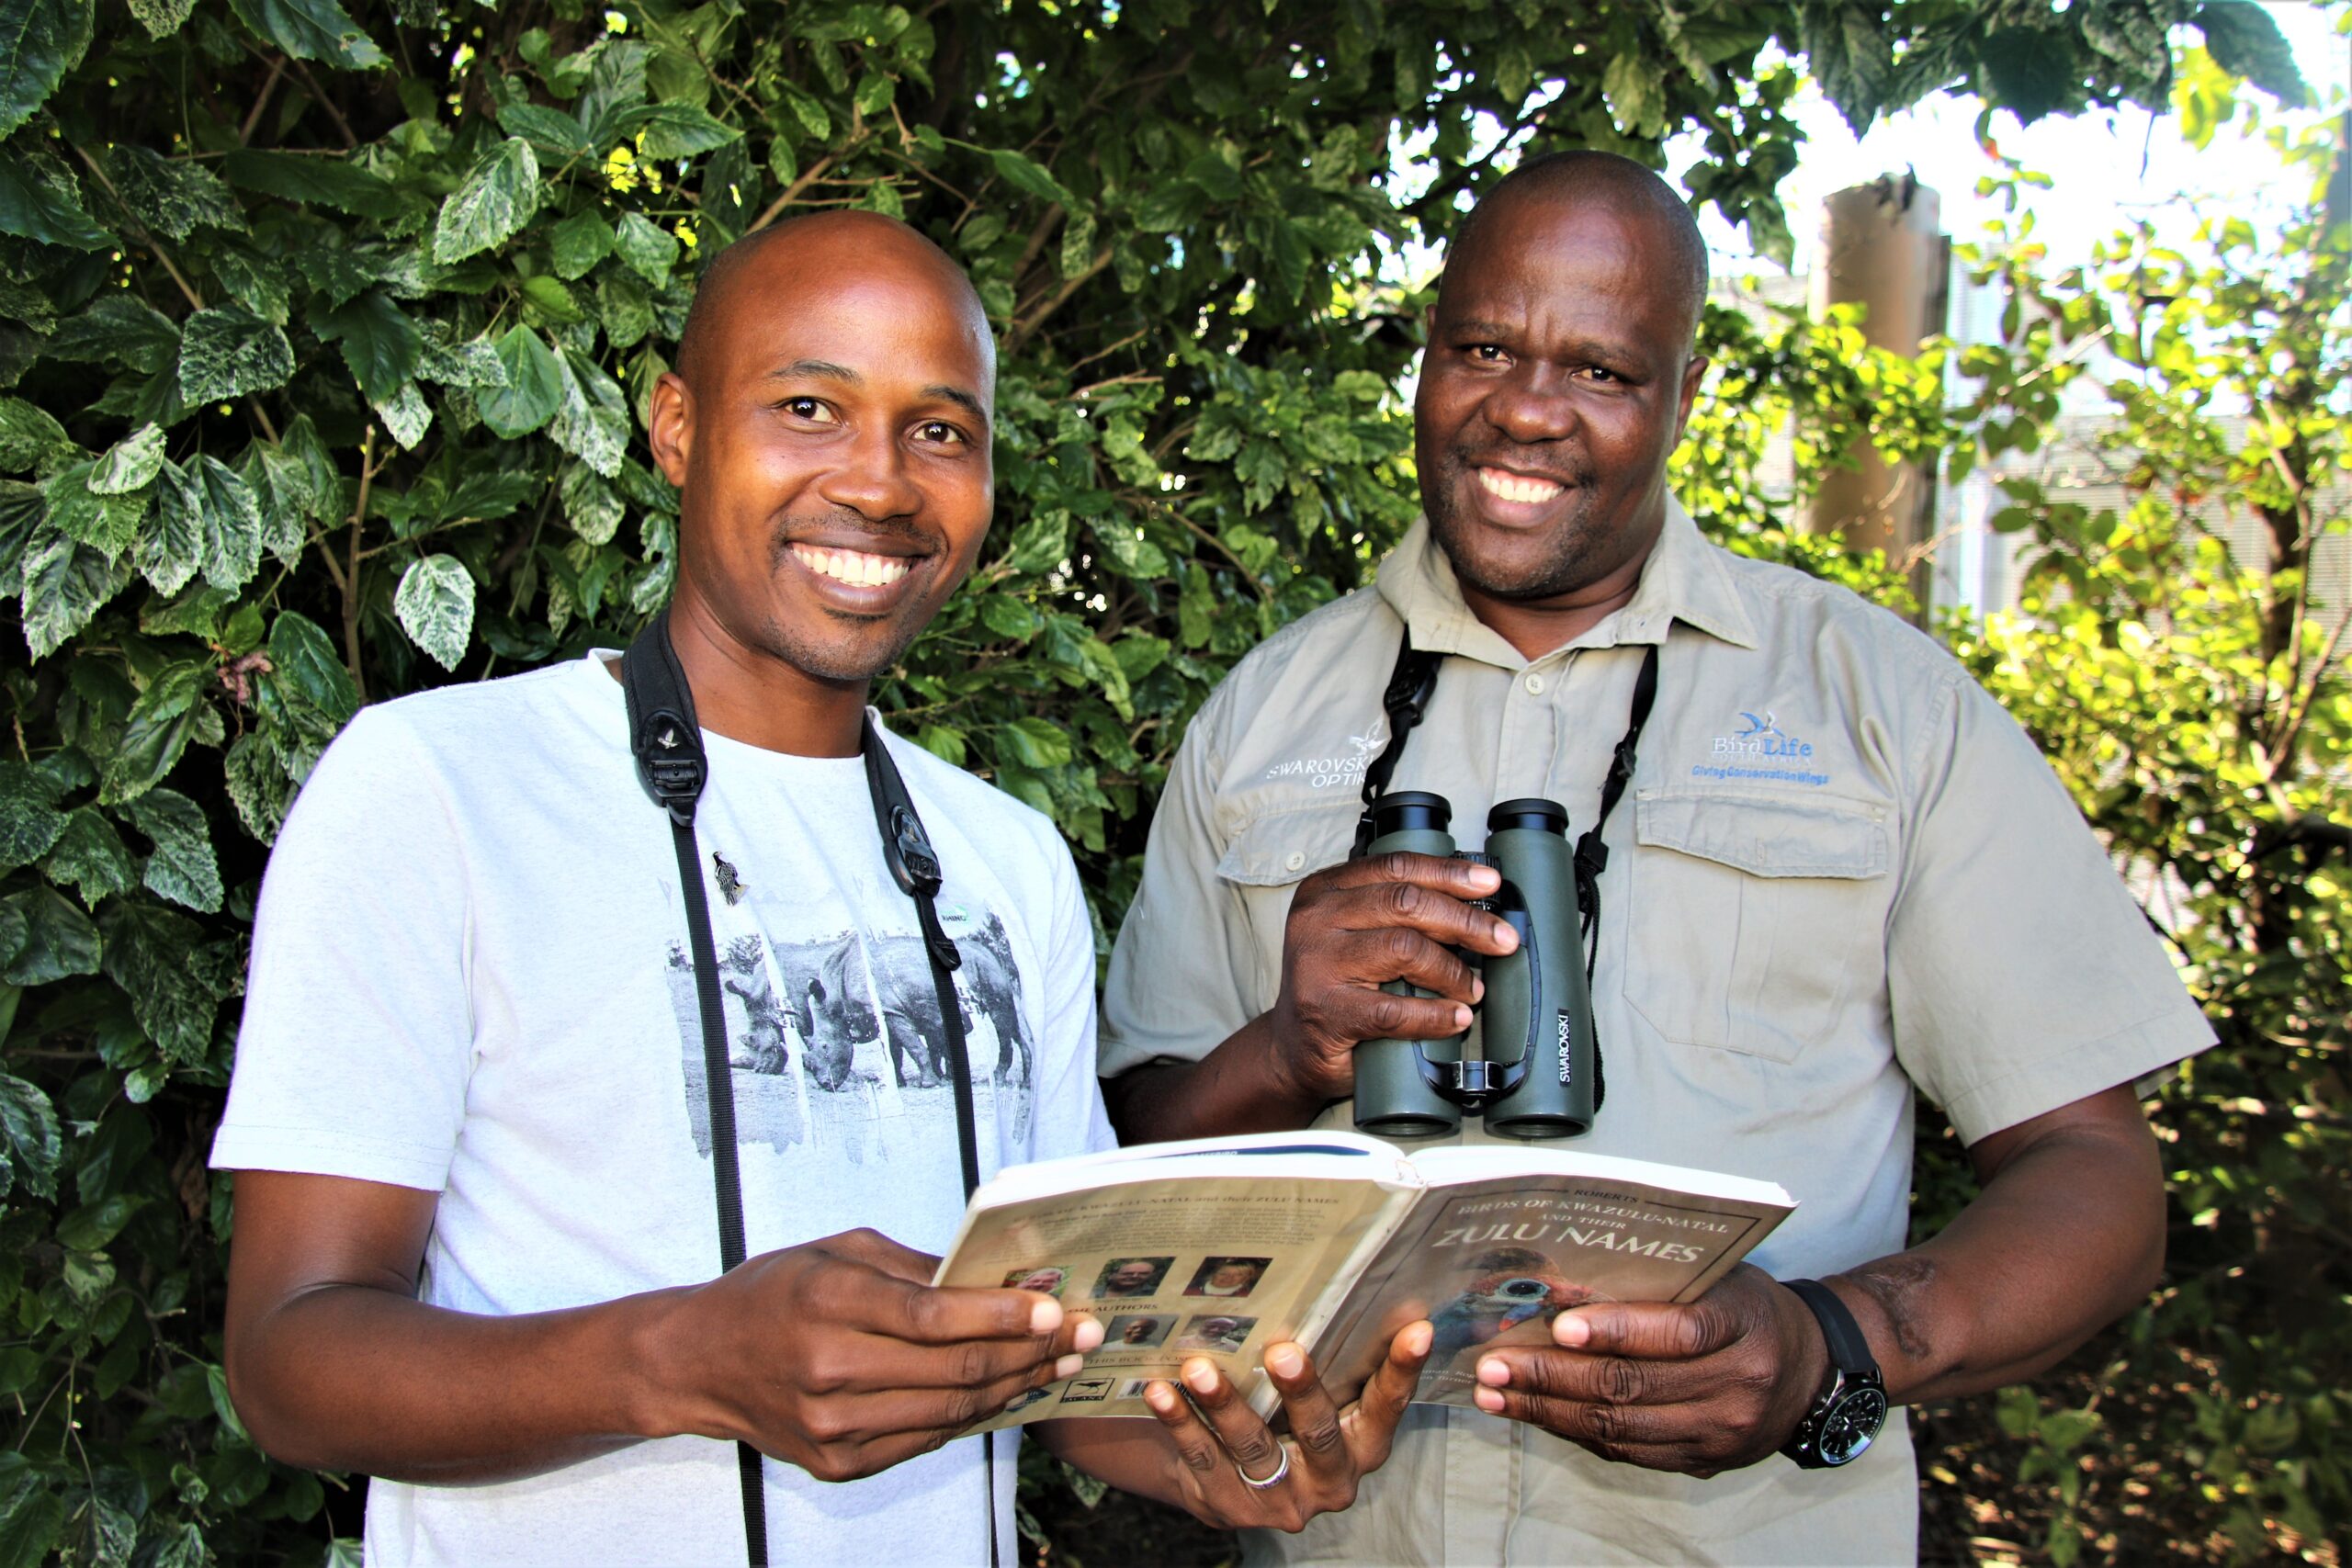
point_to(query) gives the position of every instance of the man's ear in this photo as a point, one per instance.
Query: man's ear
(672, 430)
(1692, 374)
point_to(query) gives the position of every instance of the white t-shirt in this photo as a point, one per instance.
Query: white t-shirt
(470, 976)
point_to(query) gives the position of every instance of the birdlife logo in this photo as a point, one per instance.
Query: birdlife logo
(1759, 749)
(1343, 770)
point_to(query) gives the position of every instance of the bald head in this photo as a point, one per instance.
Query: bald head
(814, 251)
(1614, 185)
(829, 428)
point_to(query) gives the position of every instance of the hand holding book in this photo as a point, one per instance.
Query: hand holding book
(1225, 1248)
(1699, 1388)
(1237, 1474)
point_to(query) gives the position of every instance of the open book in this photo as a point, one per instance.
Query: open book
(1222, 1246)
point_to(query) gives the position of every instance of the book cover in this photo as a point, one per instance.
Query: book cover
(1221, 1247)
(1492, 1259)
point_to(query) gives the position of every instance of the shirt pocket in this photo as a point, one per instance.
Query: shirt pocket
(1265, 860)
(1754, 921)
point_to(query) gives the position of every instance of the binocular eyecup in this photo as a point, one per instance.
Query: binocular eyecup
(1527, 1062)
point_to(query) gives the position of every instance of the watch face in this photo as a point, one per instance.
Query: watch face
(1849, 1426)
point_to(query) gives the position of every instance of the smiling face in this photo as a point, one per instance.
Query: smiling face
(1557, 379)
(1131, 1276)
(830, 434)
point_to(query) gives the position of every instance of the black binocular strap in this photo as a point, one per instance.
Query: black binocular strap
(668, 745)
(1411, 683)
(1591, 854)
(915, 868)
(667, 742)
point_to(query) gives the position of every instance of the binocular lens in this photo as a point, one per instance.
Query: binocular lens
(1533, 815)
(1410, 810)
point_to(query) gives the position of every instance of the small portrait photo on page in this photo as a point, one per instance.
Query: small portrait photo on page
(1131, 1276)
(1217, 1336)
(1227, 1276)
(1138, 1333)
(1050, 1277)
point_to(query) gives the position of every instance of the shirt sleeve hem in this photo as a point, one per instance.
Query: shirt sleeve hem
(2140, 1052)
(310, 1153)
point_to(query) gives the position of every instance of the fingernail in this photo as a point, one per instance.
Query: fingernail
(1494, 1373)
(1419, 1338)
(1202, 1375)
(1488, 1401)
(1046, 1316)
(1160, 1396)
(1485, 877)
(1461, 1018)
(1088, 1334)
(1503, 936)
(1069, 1366)
(1570, 1330)
(1477, 987)
(1285, 1362)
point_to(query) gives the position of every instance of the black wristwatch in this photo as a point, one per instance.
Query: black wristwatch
(1846, 1417)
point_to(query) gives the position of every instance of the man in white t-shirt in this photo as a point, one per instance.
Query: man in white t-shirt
(476, 1228)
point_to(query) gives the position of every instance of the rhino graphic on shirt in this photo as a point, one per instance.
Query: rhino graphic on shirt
(838, 1023)
(823, 985)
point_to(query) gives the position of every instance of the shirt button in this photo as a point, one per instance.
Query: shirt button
(1535, 686)
(1297, 859)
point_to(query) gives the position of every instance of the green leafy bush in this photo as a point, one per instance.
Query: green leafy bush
(2188, 682)
(324, 338)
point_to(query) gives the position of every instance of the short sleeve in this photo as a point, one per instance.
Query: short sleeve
(1174, 989)
(356, 1041)
(2021, 975)
(1070, 1118)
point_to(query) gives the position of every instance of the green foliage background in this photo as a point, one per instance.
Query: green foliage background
(324, 338)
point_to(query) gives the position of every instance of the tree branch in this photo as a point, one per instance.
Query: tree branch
(1026, 327)
(318, 96)
(1221, 548)
(1039, 236)
(196, 300)
(1076, 365)
(791, 193)
(261, 102)
(351, 572)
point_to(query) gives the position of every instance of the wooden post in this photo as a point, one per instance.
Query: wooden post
(1882, 245)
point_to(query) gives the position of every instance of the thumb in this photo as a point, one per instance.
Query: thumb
(1645, 1330)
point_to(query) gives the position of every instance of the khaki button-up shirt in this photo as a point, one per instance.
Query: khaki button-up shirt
(1841, 872)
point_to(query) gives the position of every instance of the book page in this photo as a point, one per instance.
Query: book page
(1493, 1262)
(1174, 1265)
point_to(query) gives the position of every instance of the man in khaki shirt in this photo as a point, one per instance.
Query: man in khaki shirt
(1840, 872)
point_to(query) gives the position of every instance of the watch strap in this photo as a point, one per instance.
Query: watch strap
(1849, 1351)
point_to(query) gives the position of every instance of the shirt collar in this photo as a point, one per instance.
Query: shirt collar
(1684, 579)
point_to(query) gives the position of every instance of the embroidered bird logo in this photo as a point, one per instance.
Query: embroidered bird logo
(1767, 725)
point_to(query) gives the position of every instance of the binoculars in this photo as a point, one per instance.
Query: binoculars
(1527, 1062)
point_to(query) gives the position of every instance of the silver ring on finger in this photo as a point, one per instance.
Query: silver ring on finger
(1281, 1474)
